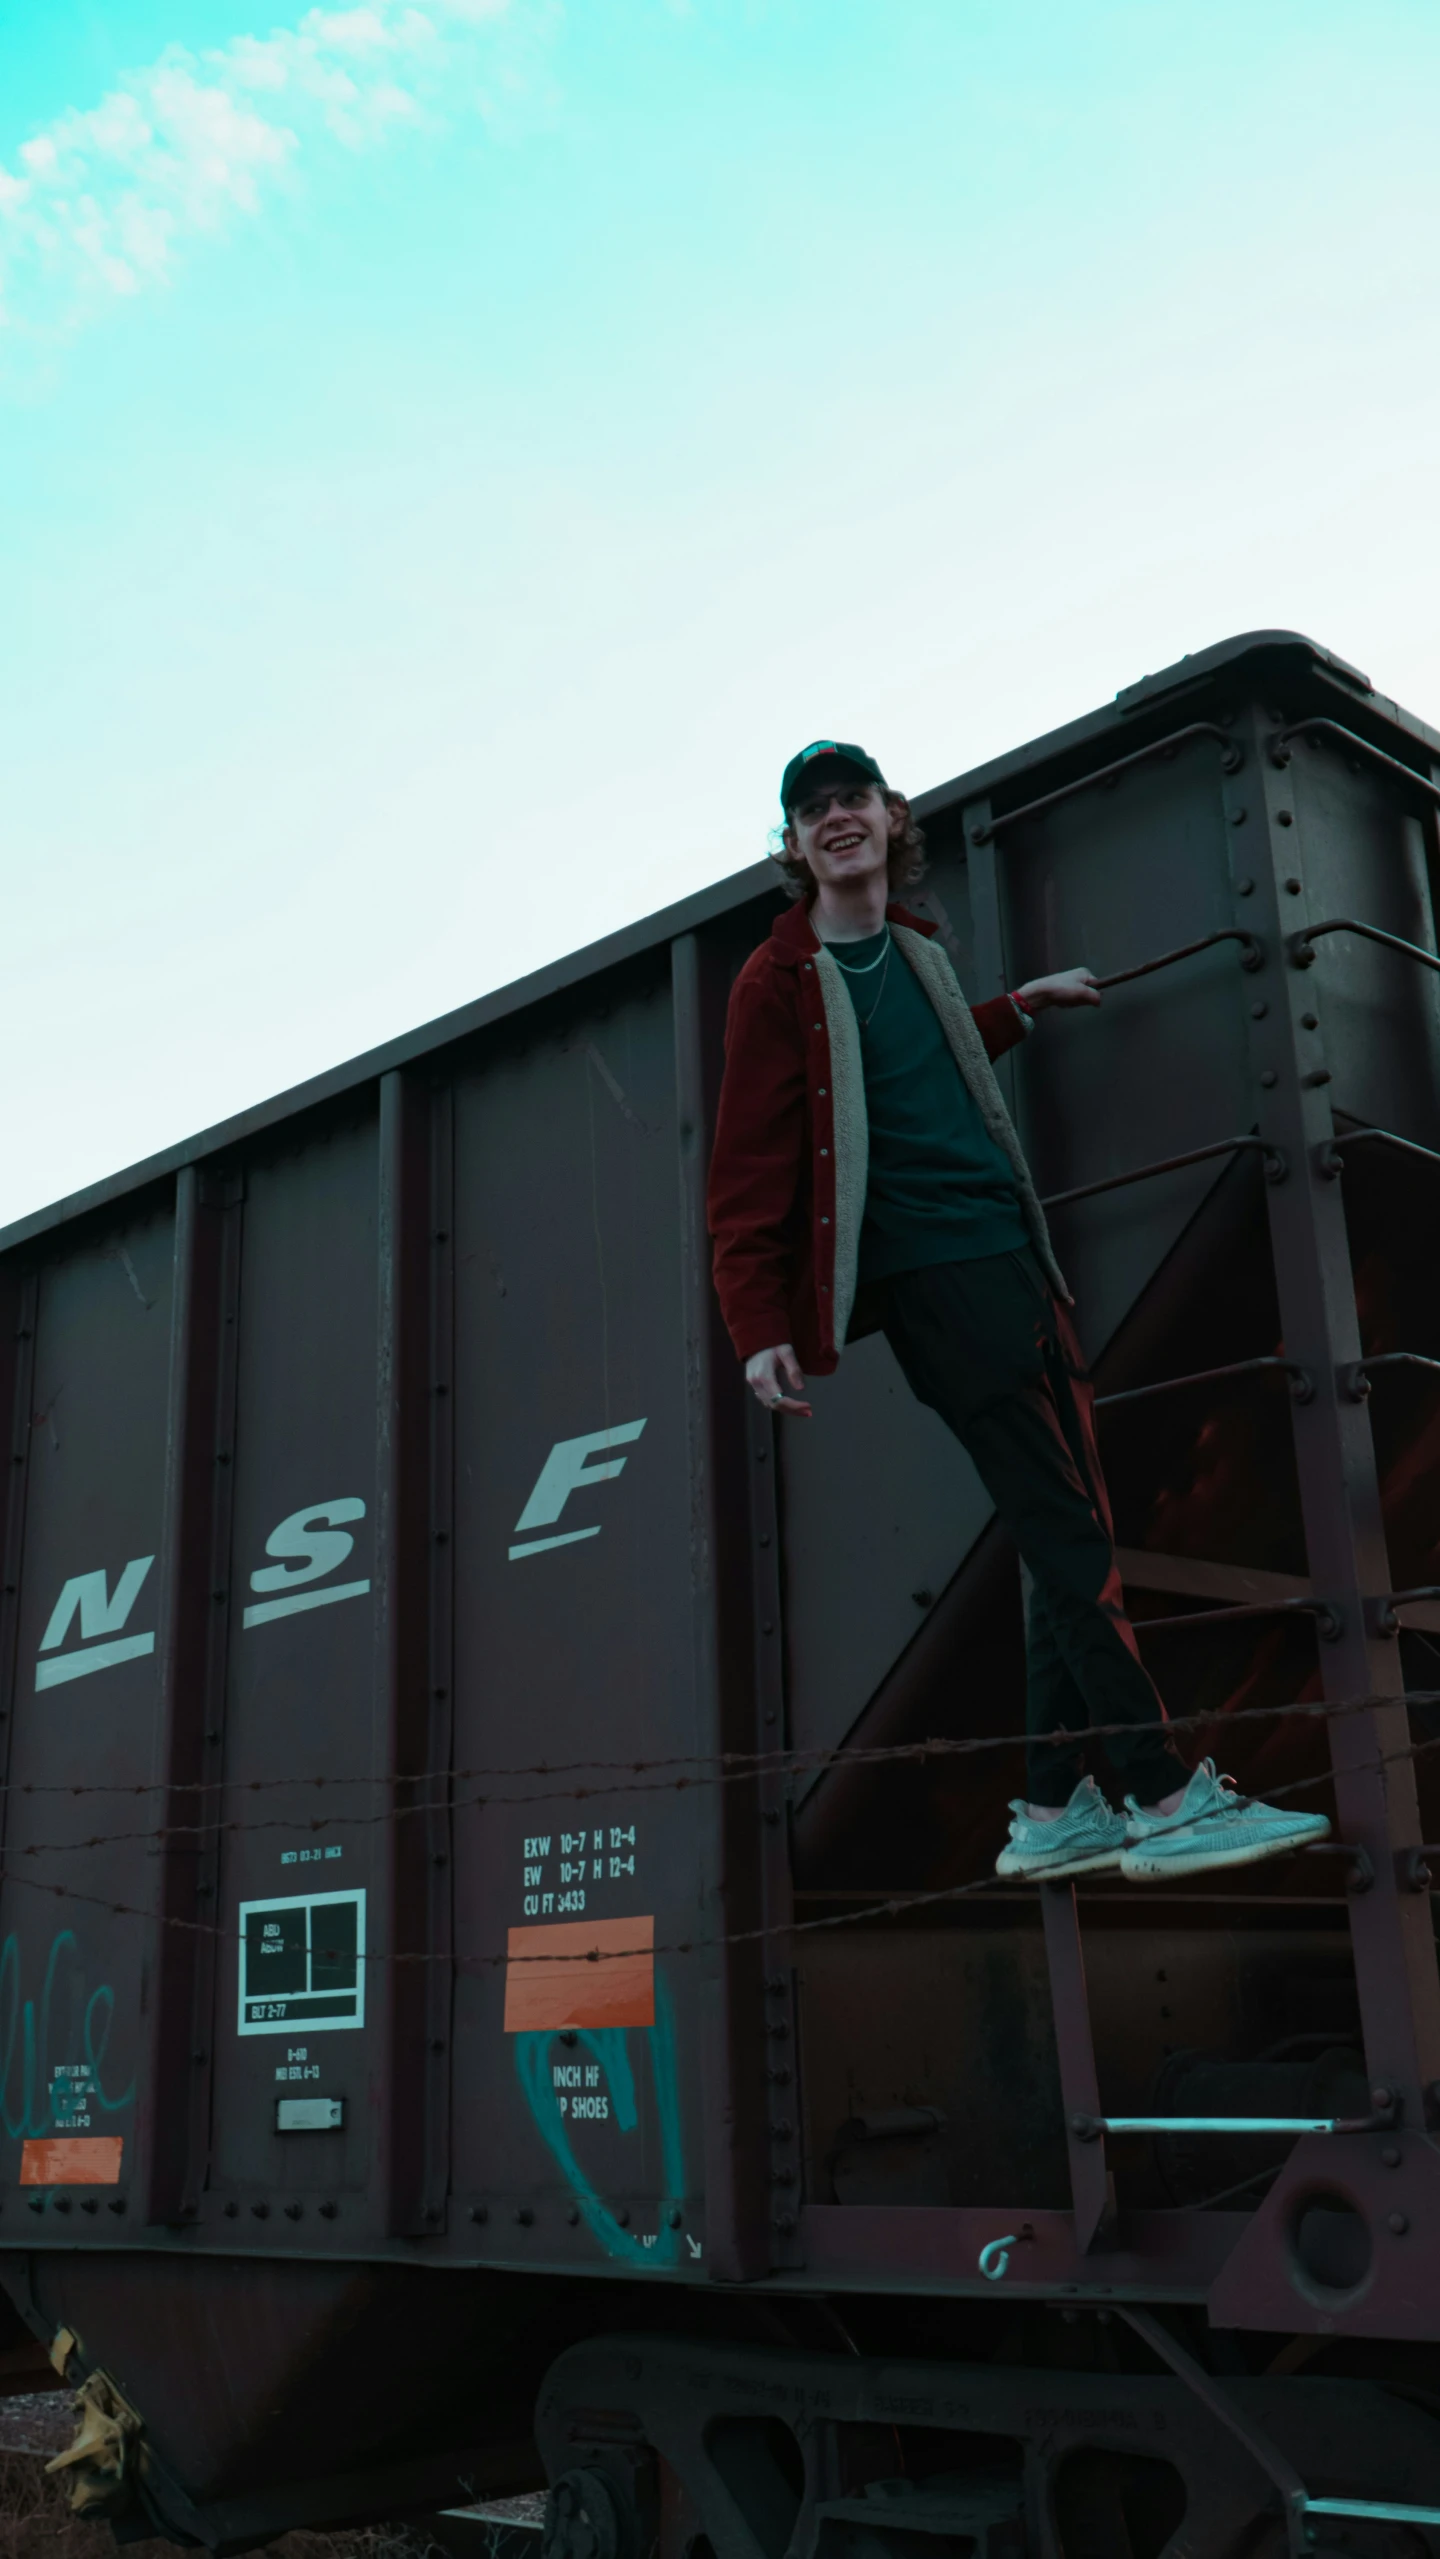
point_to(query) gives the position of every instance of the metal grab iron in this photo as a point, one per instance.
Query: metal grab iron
(1164, 747)
(1302, 1384)
(1274, 1163)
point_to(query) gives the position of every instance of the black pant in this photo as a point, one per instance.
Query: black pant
(988, 1347)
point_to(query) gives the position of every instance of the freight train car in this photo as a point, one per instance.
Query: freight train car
(504, 1976)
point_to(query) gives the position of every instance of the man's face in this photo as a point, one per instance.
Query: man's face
(843, 831)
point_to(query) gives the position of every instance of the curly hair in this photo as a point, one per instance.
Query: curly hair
(906, 864)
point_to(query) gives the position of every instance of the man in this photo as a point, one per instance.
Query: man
(866, 1176)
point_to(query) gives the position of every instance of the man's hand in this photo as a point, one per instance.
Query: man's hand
(1068, 986)
(770, 1372)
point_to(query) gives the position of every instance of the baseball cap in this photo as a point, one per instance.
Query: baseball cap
(825, 765)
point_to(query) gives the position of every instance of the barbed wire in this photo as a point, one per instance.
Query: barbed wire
(697, 1768)
(774, 1932)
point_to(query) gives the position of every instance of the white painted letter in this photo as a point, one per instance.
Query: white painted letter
(565, 1472)
(320, 1548)
(99, 1613)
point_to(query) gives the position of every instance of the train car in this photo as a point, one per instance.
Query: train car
(505, 1980)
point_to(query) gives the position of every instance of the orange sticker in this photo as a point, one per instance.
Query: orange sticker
(580, 1972)
(72, 2159)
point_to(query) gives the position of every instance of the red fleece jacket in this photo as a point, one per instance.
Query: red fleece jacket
(772, 1174)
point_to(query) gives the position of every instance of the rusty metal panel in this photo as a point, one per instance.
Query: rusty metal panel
(1106, 879)
(82, 1753)
(304, 1798)
(575, 2108)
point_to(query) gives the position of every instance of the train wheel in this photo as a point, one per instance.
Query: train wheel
(584, 2520)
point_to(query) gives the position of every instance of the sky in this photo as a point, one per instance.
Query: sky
(452, 452)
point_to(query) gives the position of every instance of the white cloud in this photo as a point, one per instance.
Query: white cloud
(104, 201)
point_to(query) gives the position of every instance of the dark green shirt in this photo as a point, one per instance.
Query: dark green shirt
(941, 1189)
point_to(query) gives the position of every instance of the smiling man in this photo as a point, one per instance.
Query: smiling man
(866, 1176)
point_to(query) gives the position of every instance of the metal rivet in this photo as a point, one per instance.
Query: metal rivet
(1284, 817)
(1310, 1021)
(524, 2216)
(1390, 2156)
(772, 1817)
(1258, 1012)
(674, 2216)
(1399, 2223)
(37, 2203)
(293, 2211)
(764, 1536)
(261, 2211)
(768, 1627)
(784, 2221)
(118, 2203)
(923, 1598)
(1293, 885)
(1237, 817)
(62, 2204)
(1268, 1077)
(1244, 888)
(328, 2211)
(479, 2212)
(623, 2216)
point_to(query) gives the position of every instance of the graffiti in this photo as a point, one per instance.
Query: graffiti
(54, 2088)
(609, 2046)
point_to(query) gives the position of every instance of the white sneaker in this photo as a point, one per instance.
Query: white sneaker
(1086, 1839)
(1211, 1826)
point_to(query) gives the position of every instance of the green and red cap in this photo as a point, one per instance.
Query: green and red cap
(826, 765)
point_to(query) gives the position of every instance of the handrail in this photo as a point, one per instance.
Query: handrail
(1278, 745)
(1253, 957)
(1302, 955)
(1330, 1162)
(1328, 1626)
(1090, 2127)
(1302, 1384)
(1275, 1168)
(1230, 762)
(1385, 1617)
(1356, 1378)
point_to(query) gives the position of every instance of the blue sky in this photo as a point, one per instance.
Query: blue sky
(451, 454)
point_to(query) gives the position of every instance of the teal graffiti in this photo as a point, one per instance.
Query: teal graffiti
(21, 2037)
(610, 2047)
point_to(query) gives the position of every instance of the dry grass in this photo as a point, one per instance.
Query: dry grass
(36, 2523)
